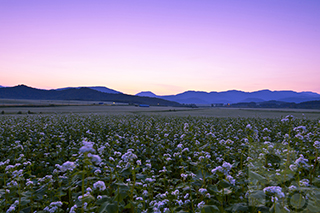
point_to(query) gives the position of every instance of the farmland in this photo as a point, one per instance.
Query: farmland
(136, 159)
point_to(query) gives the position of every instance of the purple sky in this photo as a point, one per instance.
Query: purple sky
(166, 46)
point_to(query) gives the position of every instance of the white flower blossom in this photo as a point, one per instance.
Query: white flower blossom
(100, 185)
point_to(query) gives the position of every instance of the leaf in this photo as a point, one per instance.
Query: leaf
(258, 177)
(240, 207)
(102, 200)
(126, 172)
(213, 188)
(121, 192)
(224, 183)
(41, 192)
(26, 210)
(108, 207)
(140, 176)
(210, 209)
(258, 194)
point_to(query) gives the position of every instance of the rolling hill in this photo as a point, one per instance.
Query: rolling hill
(236, 96)
(85, 94)
(98, 88)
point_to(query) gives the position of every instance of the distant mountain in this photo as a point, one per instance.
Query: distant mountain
(85, 94)
(146, 94)
(236, 96)
(1, 86)
(278, 104)
(100, 89)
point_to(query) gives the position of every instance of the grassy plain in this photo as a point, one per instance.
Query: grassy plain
(11, 107)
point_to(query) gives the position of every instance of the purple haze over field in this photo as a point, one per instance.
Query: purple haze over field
(166, 46)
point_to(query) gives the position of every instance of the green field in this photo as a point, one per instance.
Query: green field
(154, 110)
(144, 162)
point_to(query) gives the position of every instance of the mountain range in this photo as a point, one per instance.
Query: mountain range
(83, 94)
(189, 97)
(235, 96)
(100, 89)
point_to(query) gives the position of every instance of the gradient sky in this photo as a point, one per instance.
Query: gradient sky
(165, 46)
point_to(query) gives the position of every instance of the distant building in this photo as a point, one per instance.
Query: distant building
(143, 105)
(217, 105)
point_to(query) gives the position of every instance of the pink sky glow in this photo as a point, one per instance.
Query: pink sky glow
(166, 46)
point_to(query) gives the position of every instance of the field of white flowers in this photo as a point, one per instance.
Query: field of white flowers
(99, 163)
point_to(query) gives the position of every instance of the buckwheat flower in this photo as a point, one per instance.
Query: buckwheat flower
(97, 171)
(11, 209)
(101, 150)
(227, 166)
(185, 150)
(87, 147)
(293, 167)
(12, 184)
(292, 187)
(111, 159)
(99, 197)
(208, 195)
(165, 210)
(117, 153)
(99, 185)
(201, 204)
(89, 189)
(180, 146)
(139, 198)
(138, 162)
(179, 202)
(85, 195)
(304, 182)
(95, 158)
(186, 126)
(300, 129)
(145, 193)
(184, 176)
(51, 210)
(28, 183)
(150, 180)
(175, 193)
(4, 162)
(58, 203)
(248, 126)
(164, 170)
(166, 135)
(128, 156)
(202, 190)
(316, 145)
(299, 136)
(301, 161)
(276, 190)
(186, 196)
(67, 166)
(26, 163)
(85, 206)
(231, 179)
(73, 209)
(17, 173)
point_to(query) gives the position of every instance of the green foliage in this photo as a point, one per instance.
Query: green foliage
(98, 163)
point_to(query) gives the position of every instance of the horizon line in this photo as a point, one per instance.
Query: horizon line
(189, 90)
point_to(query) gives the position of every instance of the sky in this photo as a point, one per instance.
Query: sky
(163, 46)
